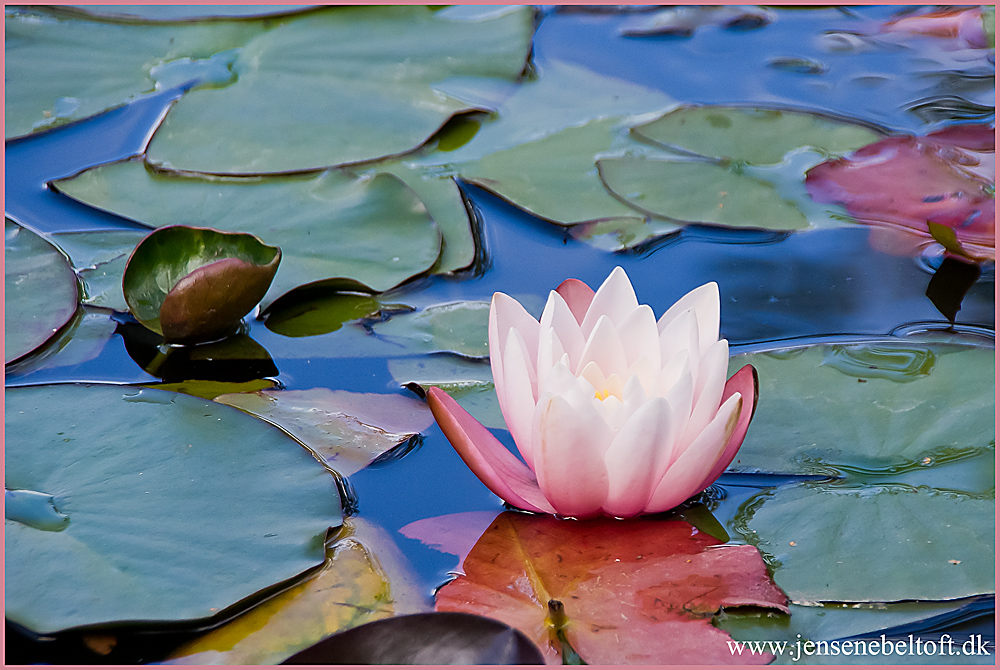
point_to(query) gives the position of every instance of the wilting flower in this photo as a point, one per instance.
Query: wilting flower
(614, 412)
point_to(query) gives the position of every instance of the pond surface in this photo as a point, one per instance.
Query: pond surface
(778, 289)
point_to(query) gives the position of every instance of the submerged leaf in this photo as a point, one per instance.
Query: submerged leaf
(620, 592)
(332, 225)
(454, 327)
(184, 509)
(469, 383)
(40, 291)
(346, 430)
(363, 579)
(318, 313)
(195, 284)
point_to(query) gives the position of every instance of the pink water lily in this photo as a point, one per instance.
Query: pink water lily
(613, 411)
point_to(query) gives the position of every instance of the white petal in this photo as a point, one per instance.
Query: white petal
(614, 299)
(507, 313)
(558, 316)
(680, 335)
(518, 401)
(707, 390)
(629, 459)
(704, 301)
(605, 348)
(550, 352)
(640, 337)
(594, 375)
(569, 464)
(683, 479)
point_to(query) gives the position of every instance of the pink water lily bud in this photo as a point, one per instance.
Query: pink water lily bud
(613, 411)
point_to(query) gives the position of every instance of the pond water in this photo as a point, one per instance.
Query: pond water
(778, 289)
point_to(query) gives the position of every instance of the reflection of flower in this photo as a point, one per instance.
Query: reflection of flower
(613, 411)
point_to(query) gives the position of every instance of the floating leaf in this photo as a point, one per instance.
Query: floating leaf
(210, 389)
(904, 182)
(40, 291)
(329, 225)
(347, 430)
(363, 579)
(320, 313)
(470, 383)
(183, 509)
(930, 544)
(195, 284)
(751, 134)
(454, 327)
(81, 340)
(433, 638)
(873, 407)
(61, 69)
(637, 591)
(346, 85)
(99, 258)
(699, 192)
(183, 12)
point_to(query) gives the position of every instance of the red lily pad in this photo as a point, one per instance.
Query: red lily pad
(618, 592)
(905, 182)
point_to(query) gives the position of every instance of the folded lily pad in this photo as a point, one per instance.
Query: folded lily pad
(40, 291)
(195, 284)
(331, 225)
(99, 258)
(752, 135)
(363, 579)
(454, 327)
(820, 540)
(81, 340)
(875, 407)
(346, 85)
(61, 69)
(699, 192)
(181, 510)
(346, 430)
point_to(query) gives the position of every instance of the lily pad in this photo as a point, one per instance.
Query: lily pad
(61, 69)
(346, 85)
(363, 579)
(184, 12)
(454, 327)
(186, 508)
(329, 225)
(699, 192)
(346, 430)
(617, 592)
(931, 545)
(752, 135)
(40, 291)
(99, 258)
(195, 284)
(873, 407)
(470, 383)
(210, 389)
(320, 313)
(81, 340)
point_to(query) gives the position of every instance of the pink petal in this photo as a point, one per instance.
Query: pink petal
(615, 299)
(569, 457)
(496, 467)
(704, 301)
(558, 318)
(640, 336)
(578, 297)
(708, 388)
(684, 477)
(743, 382)
(518, 400)
(604, 347)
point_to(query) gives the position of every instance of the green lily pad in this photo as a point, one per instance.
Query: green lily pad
(183, 509)
(331, 225)
(99, 258)
(346, 430)
(470, 383)
(81, 340)
(875, 407)
(753, 135)
(699, 192)
(365, 578)
(61, 69)
(320, 313)
(875, 543)
(195, 284)
(346, 85)
(183, 12)
(40, 291)
(454, 327)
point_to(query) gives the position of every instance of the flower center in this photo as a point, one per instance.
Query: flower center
(604, 394)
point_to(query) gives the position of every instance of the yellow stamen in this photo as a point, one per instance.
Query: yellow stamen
(602, 394)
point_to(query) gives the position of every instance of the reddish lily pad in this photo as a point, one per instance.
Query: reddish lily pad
(347, 430)
(195, 284)
(618, 592)
(904, 182)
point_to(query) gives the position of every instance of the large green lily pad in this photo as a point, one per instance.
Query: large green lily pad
(177, 507)
(346, 85)
(875, 407)
(454, 327)
(99, 258)
(875, 543)
(329, 225)
(753, 135)
(698, 191)
(61, 69)
(40, 291)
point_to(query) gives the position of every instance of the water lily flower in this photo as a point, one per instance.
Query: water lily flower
(613, 411)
